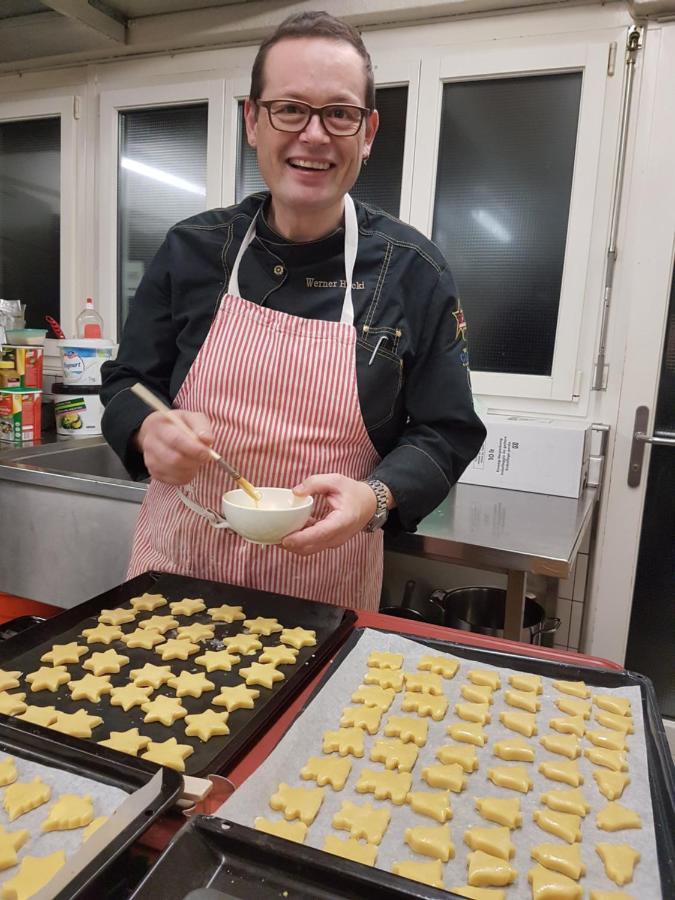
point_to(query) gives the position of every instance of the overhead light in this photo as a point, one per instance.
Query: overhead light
(157, 175)
(487, 221)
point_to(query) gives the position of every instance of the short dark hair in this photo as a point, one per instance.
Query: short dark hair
(313, 24)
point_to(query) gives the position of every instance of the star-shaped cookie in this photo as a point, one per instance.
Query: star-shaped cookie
(10, 842)
(162, 624)
(12, 704)
(175, 648)
(143, 638)
(91, 687)
(109, 662)
(195, 632)
(163, 709)
(264, 675)
(148, 602)
(246, 644)
(102, 634)
(77, 724)
(9, 680)
(298, 637)
(217, 660)
(116, 616)
(168, 753)
(260, 625)
(190, 684)
(187, 607)
(39, 715)
(207, 724)
(151, 675)
(238, 697)
(279, 655)
(130, 742)
(48, 679)
(61, 654)
(227, 613)
(129, 695)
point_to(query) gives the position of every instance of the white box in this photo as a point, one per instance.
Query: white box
(521, 453)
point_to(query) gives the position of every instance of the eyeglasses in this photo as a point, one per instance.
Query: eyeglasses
(293, 116)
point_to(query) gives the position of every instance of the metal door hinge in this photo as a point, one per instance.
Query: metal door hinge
(77, 107)
(641, 437)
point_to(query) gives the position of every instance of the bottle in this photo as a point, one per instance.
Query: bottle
(89, 324)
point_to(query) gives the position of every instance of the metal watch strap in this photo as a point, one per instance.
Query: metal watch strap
(381, 511)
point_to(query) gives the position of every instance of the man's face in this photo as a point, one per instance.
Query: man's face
(319, 72)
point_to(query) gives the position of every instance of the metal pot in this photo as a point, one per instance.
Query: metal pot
(423, 609)
(482, 610)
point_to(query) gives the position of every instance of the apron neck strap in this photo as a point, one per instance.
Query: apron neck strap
(351, 246)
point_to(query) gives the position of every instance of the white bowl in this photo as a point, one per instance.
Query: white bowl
(278, 513)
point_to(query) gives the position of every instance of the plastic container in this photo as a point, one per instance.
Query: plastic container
(82, 359)
(27, 337)
(89, 324)
(28, 363)
(20, 414)
(77, 410)
(9, 377)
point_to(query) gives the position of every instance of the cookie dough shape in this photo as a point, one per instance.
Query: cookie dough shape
(70, 811)
(227, 614)
(366, 717)
(362, 820)
(279, 655)
(163, 709)
(24, 796)
(474, 712)
(190, 684)
(619, 861)
(522, 682)
(609, 759)
(521, 722)
(525, 700)
(430, 873)
(39, 715)
(148, 602)
(151, 675)
(495, 841)
(78, 724)
(567, 801)
(12, 704)
(34, 873)
(434, 804)
(217, 660)
(572, 707)
(290, 831)
(160, 624)
(298, 803)
(441, 665)
(423, 683)
(130, 741)
(485, 677)
(261, 625)
(8, 772)
(91, 687)
(463, 754)
(565, 826)
(384, 678)
(108, 662)
(557, 770)
(546, 884)
(501, 812)
(93, 826)
(560, 858)
(615, 817)
(175, 648)
(195, 632)
(348, 848)
(477, 693)
(116, 617)
(345, 741)
(237, 697)
(102, 634)
(264, 674)
(372, 695)
(573, 688)
(380, 659)
(569, 725)
(392, 786)
(187, 606)
(468, 733)
(207, 724)
(168, 753)
(611, 895)
(143, 639)
(407, 729)
(129, 695)
(609, 740)
(394, 754)
(244, 644)
(515, 749)
(298, 637)
(515, 778)
(450, 777)
(48, 678)
(476, 893)
(487, 871)
(332, 771)
(616, 723)
(563, 744)
(620, 706)
(611, 784)
(10, 842)
(431, 841)
(425, 705)
(9, 680)
(62, 654)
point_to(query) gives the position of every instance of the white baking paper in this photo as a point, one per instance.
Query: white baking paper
(304, 739)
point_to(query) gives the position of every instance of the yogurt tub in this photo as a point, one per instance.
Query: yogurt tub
(82, 359)
(77, 409)
(20, 414)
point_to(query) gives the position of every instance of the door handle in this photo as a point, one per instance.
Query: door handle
(640, 438)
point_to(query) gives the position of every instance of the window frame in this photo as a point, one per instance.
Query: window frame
(541, 56)
(112, 103)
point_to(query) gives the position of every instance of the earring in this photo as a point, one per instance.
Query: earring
(365, 161)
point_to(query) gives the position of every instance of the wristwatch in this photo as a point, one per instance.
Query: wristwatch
(381, 511)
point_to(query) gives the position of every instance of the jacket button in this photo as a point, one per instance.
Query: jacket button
(278, 270)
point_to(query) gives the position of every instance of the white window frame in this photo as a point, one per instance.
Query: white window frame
(147, 97)
(531, 57)
(42, 107)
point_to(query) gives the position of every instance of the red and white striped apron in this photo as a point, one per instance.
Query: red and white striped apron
(282, 398)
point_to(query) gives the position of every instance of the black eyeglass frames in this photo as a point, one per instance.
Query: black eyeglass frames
(293, 116)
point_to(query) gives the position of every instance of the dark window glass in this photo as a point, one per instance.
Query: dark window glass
(162, 180)
(503, 186)
(30, 216)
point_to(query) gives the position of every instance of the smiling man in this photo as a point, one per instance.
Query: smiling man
(315, 342)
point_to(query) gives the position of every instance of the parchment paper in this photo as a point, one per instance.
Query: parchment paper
(304, 739)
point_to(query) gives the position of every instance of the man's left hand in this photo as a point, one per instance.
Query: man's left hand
(352, 503)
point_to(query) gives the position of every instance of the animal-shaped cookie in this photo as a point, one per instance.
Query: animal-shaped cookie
(373, 695)
(423, 682)
(615, 817)
(526, 700)
(560, 858)
(23, 796)
(487, 870)
(435, 804)
(381, 659)
(514, 749)
(34, 873)
(572, 707)
(332, 771)
(501, 812)
(362, 820)
(569, 725)
(392, 786)
(611, 784)
(430, 873)
(441, 665)
(523, 682)
(407, 729)
(462, 754)
(567, 801)
(620, 706)
(298, 803)
(516, 778)
(366, 717)
(468, 733)
(522, 722)
(70, 811)
(394, 754)
(546, 883)
(425, 705)
(474, 712)
(348, 848)
(10, 843)
(564, 744)
(346, 741)
(450, 777)
(619, 861)
(290, 831)
(565, 771)
(495, 840)
(573, 688)
(431, 841)
(563, 825)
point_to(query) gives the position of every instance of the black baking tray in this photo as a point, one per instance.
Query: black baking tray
(100, 764)
(331, 623)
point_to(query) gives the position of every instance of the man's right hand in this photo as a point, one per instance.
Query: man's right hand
(171, 455)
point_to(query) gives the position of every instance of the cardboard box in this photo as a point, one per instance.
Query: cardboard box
(521, 453)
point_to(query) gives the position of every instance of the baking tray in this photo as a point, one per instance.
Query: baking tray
(100, 764)
(331, 623)
(243, 863)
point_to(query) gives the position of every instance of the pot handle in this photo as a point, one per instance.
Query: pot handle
(547, 626)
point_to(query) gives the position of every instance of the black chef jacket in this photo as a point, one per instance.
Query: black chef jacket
(411, 353)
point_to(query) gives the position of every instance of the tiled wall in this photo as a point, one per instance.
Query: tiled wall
(570, 604)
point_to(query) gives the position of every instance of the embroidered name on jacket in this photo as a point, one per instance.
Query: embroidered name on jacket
(340, 283)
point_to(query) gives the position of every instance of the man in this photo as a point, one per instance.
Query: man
(313, 342)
